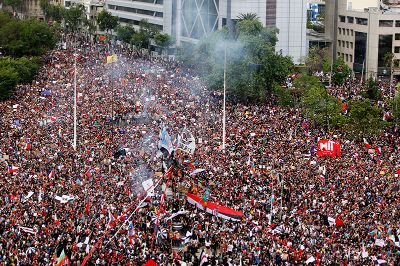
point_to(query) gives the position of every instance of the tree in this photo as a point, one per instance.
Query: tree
(248, 16)
(341, 71)
(318, 60)
(140, 40)
(15, 4)
(106, 21)
(323, 108)
(306, 82)
(125, 33)
(364, 118)
(372, 92)
(31, 37)
(8, 81)
(162, 40)
(75, 17)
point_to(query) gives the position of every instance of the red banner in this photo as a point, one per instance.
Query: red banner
(328, 148)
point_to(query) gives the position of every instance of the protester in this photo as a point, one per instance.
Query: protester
(325, 211)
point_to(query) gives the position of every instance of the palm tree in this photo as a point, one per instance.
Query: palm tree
(248, 16)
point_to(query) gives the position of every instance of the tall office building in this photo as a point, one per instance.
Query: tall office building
(190, 20)
(362, 32)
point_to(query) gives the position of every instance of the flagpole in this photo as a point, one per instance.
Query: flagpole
(224, 105)
(75, 137)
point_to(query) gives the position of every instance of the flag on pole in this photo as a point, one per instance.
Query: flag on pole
(63, 259)
(165, 143)
(28, 230)
(186, 142)
(102, 38)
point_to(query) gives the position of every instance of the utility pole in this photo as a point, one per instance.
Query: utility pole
(75, 120)
(224, 105)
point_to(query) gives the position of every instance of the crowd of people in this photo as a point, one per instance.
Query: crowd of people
(298, 208)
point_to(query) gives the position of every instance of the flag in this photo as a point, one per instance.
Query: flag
(63, 259)
(56, 221)
(394, 238)
(380, 242)
(87, 207)
(150, 262)
(111, 219)
(378, 150)
(253, 169)
(165, 143)
(12, 169)
(28, 146)
(102, 38)
(328, 148)
(339, 221)
(203, 259)
(379, 261)
(52, 174)
(366, 144)
(186, 142)
(84, 245)
(112, 58)
(28, 230)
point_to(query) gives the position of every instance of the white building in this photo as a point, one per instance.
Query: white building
(190, 20)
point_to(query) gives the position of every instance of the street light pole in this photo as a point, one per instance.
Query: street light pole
(224, 105)
(75, 122)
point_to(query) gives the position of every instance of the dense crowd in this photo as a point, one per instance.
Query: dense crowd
(298, 208)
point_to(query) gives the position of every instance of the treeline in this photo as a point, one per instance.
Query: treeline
(22, 43)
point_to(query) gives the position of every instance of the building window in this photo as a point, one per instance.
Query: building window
(397, 23)
(350, 20)
(343, 43)
(342, 18)
(384, 46)
(348, 32)
(351, 45)
(362, 21)
(397, 49)
(347, 57)
(351, 58)
(338, 54)
(397, 36)
(338, 43)
(340, 30)
(386, 23)
(347, 44)
(352, 32)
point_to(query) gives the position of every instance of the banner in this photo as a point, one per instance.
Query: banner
(328, 148)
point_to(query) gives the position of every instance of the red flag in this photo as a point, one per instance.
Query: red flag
(150, 262)
(87, 207)
(339, 221)
(103, 38)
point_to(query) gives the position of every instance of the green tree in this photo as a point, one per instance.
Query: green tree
(106, 21)
(372, 92)
(306, 82)
(125, 33)
(283, 96)
(15, 4)
(8, 81)
(323, 108)
(75, 17)
(318, 60)
(341, 71)
(248, 16)
(364, 118)
(162, 40)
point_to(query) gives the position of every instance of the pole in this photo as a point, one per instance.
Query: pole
(75, 137)
(280, 215)
(224, 107)
(272, 201)
(362, 72)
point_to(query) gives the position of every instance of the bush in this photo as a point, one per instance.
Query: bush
(8, 81)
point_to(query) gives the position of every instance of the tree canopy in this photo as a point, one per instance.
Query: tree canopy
(106, 21)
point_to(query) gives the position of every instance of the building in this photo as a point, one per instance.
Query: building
(362, 32)
(92, 7)
(187, 21)
(30, 9)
